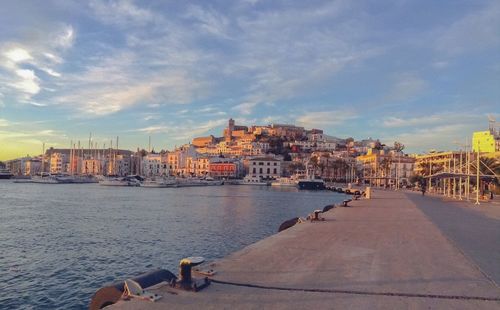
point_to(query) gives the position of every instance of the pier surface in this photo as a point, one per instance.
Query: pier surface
(391, 244)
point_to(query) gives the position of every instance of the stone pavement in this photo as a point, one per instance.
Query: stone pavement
(382, 245)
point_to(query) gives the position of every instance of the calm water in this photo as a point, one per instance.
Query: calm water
(60, 243)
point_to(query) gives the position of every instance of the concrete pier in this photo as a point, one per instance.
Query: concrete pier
(383, 253)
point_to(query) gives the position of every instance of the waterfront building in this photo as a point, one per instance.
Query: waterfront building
(225, 168)
(152, 165)
(32, 166)
(386, 168)
(119, 164)
(59, 162)
(92, 166)
(177, 160)
(264, 168)
(197, 165)
(17, 166)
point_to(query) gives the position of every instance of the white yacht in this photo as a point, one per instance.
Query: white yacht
(285, 182)
(190, 182)
(159, 183)
(125, 181)
(252, 180)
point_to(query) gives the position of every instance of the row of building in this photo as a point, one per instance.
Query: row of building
(265, 152)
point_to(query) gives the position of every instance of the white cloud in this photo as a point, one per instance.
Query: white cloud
(64, 39)
(325, 118)
(475, 31)
(440, 64)
(245, 108)
(22, 62)
(18, 55)
(437, 131)
(448, 118)
(4, 122)
(28, 82)
(393, 122)
(123, 13)
(150, 117)
(51, 72)
(209, 20)
(407, 87)
(184, 131)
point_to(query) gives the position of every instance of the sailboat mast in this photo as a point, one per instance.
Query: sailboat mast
(43, 157)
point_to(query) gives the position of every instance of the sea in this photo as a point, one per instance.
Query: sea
(60, 243)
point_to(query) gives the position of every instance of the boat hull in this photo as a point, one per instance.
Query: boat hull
(311, 185)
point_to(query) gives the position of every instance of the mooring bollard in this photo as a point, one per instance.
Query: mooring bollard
(186, 281)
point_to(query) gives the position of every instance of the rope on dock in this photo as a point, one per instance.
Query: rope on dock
(354, 292)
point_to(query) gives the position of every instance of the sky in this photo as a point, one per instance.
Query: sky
(426, 73)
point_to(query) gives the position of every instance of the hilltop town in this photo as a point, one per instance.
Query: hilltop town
(262, 152)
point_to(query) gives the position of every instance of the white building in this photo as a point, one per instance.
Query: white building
(178, 160)
(119, 165)
(264, 168)
(152, 165)
(311, 145)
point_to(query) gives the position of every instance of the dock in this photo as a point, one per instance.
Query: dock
(381, 253)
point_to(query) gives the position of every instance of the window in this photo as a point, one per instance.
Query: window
(254, 170)
(260, 170)
(268, 170)
(274, 171)
(268, 163)
(275, 164)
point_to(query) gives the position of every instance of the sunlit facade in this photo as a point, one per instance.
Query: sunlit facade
(484, 141)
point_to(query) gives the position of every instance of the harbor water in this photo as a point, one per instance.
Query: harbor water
(60, 243)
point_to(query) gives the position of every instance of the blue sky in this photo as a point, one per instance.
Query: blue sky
(426, 73)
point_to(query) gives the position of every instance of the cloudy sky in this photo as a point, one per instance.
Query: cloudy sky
(426, 73)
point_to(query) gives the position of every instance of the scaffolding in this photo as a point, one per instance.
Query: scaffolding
(458, 175)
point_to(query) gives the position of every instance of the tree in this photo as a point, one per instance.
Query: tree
(296, 165)
(398, 146)
(378, 145)
(489, 166)
(428, 169)
(314, 161)
(385, 167)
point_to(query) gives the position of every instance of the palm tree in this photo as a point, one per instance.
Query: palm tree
(385, 166)
(427, 169)
(398, 146)
(489, 165)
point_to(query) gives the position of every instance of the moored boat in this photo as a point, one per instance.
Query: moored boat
(285, 182)
(251, 180)
(312, 184)
(159, 183)
(5, 174)
(124, 181)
